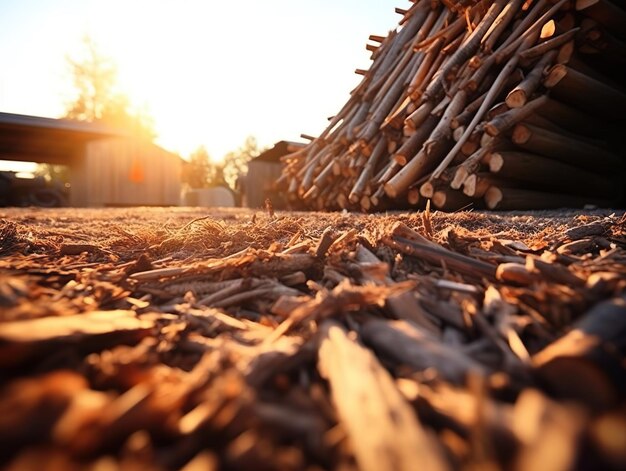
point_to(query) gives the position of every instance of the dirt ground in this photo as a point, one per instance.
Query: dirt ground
(159, 338)
(228, 230)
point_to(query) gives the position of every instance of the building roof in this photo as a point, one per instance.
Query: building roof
(280, 149)
(38, 139)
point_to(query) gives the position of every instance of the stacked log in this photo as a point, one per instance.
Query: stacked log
(505, 104)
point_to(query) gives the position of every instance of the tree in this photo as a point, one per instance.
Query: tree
(236, 162)
(201, 172)
(98, 98)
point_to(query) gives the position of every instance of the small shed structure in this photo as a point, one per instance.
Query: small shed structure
(108, 167)
(263, 171)
(122, 171)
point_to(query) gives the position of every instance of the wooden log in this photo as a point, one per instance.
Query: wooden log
(388, 100)
(467, 49)
(572, 119)
(493, 92)
(451, 31)
(496, 110)
(599, 42)
(413, 144)
(437, 255)
(447, 199)
(565, 149)
(427, 189)
(505, 121)
(415, 86)
(524, 24)
(406, 306)
(519, 96)
(366, 173)
(514, 198)
(549, 45)
(566, 52)
(544, 123)
(377, 38)
(423, 79)
(585, 92)
(481, 156)
(409, 345)
(468, 113)
(431, 151)
(542, 425)
(520, 36)
(364, 393)
(413, 196)
(540, 171)
(427, 20)
(396, 44)
(477, 184)
(500, 24)
(606, 13)
(416, 118)
(587, 362)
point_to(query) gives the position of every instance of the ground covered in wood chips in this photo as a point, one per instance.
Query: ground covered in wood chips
(178, 338)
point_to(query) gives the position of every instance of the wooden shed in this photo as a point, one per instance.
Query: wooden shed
(263, 171)
(126, 172)
(108, 167)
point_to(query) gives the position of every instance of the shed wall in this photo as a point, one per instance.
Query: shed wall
(127, 172)
(259, 182)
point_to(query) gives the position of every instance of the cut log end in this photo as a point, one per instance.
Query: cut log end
(493, 197)
(521, 134)
(516, 99)
(427, 190)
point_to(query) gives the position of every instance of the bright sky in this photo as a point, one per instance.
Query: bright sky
(210, 73)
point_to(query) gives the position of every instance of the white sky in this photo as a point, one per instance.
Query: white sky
(210, 73)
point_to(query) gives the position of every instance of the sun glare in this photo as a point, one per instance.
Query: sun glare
(209, 75)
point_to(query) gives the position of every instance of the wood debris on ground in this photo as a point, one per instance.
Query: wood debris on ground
(293, 341)
(498, 104)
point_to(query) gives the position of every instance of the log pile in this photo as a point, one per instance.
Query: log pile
(505, 105)
(336, 342)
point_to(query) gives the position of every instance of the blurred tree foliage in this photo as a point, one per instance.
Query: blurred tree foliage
(201, 172)
(236, 162)
(98, 98)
